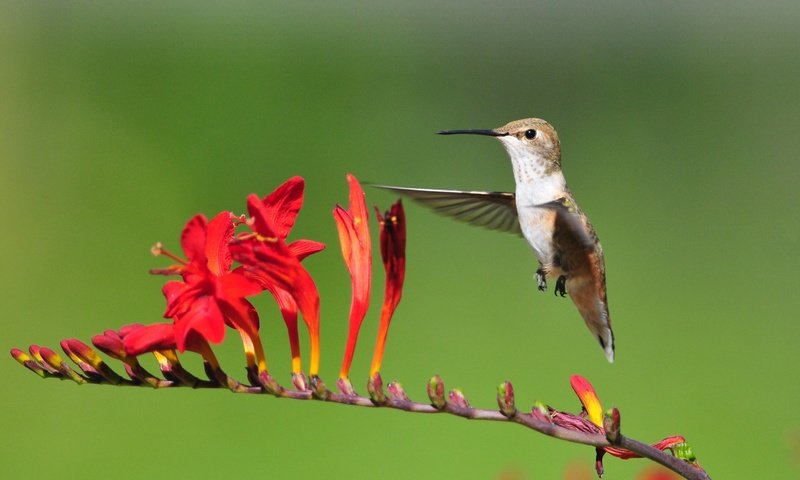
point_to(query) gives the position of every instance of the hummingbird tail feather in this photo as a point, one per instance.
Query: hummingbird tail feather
(594, 311)
(607, 343)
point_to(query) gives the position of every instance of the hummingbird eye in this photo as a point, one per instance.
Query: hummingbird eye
(529, 134)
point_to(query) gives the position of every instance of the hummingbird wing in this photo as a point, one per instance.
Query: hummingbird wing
(581, 257)
(492, 210)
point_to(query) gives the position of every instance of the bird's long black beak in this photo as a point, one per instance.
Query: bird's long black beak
(491, 133)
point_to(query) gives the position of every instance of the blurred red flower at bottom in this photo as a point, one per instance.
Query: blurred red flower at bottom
(656, 473)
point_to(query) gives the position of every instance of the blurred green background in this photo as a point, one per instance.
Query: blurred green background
(679, 125)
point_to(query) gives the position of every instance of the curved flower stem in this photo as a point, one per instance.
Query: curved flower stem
(669, 461)
(399, 401)
(678, 466)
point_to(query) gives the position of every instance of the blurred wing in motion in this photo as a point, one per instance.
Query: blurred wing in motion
(492, 210)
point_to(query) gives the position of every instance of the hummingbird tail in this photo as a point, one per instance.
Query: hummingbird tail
(607, 343)
(594, 311)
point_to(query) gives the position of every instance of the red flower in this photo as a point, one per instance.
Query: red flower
(354, 238)
(210, 295)
(594, 423)
(276, 266)
(393, 253)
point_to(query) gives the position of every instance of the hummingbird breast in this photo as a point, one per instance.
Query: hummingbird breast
(537, 226)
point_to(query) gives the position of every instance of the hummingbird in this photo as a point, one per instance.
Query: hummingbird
(543, 211)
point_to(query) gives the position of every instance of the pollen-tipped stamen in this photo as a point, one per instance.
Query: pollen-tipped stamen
(158, 250)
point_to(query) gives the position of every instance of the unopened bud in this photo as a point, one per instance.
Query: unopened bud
(684, 452)
(26, 361)
(436, 392)
(457, 398)
(50, 357)
(540, 412)
(19, 355)
(505, 399)
(396, 392)
(78, 352)
(318, 388)
(111, 344)
(611, 425)
(269, 383)
(35, 351)
(299, 381)
(375, 389)
(55, 361)
(345, 387)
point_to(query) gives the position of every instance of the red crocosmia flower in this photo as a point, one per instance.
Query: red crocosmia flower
(210, 295)
(591, 421)
(355, 241)
(393, 254)
(656, 473)
(276, 266)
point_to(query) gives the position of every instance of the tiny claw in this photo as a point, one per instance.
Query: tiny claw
(561, 286)
(541, 280)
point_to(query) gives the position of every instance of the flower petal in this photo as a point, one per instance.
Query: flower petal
(664, 444)
(358, 207)
(356, 250)
(218, 234)
(262, 222)
(585, 392)
(303, 248)
(283, 205)
(393, 253)
(240, 314)
(204, 318)
(237, 284)
(193, 237)
(158, 336)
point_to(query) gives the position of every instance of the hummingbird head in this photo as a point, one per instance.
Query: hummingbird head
(532, 144)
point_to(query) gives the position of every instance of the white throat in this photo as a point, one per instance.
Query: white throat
(537, 182)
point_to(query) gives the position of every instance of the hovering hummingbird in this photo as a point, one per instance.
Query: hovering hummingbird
(544, 212)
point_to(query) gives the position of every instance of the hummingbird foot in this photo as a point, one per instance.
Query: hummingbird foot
(541, 280)
(561, 286)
